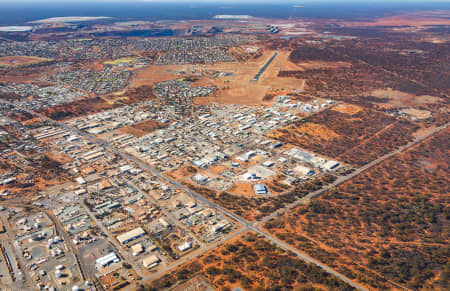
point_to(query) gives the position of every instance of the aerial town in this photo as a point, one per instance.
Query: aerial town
(238, 153)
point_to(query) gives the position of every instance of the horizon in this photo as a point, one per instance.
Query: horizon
(24, 11)
(256, 2)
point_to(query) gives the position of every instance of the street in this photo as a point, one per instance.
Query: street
(246, 226)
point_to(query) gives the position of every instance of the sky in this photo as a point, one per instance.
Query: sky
(225, 2)
(232, 1)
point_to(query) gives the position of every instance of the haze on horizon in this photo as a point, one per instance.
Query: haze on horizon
(229, 1)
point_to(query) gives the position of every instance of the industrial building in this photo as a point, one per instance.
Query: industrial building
(303, 171)
(130, 235)
(107, 260)
(185, 246)
(137, 249)
(151, 261)
(331, 165)
(260, 189)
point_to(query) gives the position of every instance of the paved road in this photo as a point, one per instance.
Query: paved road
(246, 225)
(86, 275)
(166, 213)
(188, 257)
(133, 159)
(21, 265)
(358, 171)
(309, 259)
(112, 240)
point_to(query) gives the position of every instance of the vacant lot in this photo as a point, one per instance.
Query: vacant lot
(35, 175)
(388, 227)
(77, 108)
(142, 128)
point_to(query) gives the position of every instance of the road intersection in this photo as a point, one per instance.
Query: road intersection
(246, 225)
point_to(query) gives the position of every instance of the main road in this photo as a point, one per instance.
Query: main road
(85, 274)
(342, 179)
(255, 227)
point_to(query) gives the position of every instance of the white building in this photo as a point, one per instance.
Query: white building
(331, 165)
(185, 246)
(130, 235)
(107, 260)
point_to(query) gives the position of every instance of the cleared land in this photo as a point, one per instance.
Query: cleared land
(118, 61)
(142, 128)
(383, 69)
(237, 88)
(397, 98)
(44, 171)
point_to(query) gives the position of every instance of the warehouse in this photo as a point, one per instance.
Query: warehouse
(107, 260)
(330, 165)
(303, 171)
(260, 189)
(137, 249)
(221, 225)
(93, 156)
(268, 164)
(131, 235)
(185, 246)
(151, 261)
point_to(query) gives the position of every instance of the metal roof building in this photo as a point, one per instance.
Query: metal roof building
(330, 165)
(150, 261)
(131, 235)
(108, 259)
(260, 189)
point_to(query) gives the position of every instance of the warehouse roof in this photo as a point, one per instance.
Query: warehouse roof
(131, 235)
